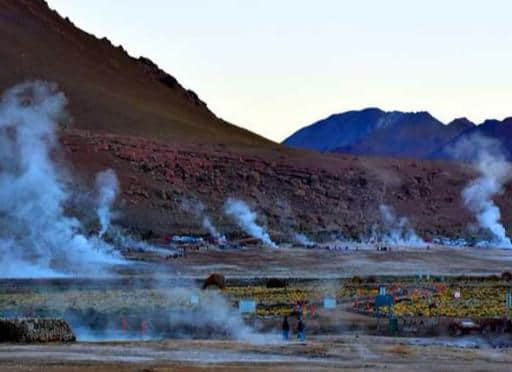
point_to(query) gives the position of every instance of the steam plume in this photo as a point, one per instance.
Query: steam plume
(107, 186)
(208, 226)
(494, 172)
(246, 219)
(397, 230)
(198, 210)
(215, 312)
(303, 240)
(36, 235)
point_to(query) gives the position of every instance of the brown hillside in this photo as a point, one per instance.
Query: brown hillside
(167, 147)
(318, 194)
(108, 90)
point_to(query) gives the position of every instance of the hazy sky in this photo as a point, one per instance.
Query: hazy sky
(275, 66)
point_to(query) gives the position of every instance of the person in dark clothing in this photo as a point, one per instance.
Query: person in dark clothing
(286, 328)
(300, 330)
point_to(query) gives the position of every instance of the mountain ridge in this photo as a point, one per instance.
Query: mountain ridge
(392, 133)
(109, 91)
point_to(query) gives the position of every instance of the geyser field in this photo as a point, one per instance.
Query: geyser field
(141, 299)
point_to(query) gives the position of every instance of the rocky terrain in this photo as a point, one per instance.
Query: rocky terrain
(170, 152)
(292, 190)
(167, 147)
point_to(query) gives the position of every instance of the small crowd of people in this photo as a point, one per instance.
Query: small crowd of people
(300, 329)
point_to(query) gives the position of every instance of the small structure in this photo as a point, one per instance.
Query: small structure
(383, 301)
(464, 327)
(194, 299)
(329, 303)
(247, 306)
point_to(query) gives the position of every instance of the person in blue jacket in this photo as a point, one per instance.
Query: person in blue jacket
(300, 330)
(286, 328)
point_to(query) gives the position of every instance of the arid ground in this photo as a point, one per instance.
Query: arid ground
(347, 260)
(336, 339)
(351, 352)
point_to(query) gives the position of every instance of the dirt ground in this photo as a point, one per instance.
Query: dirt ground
(351, 353)
(350, 350)
(361, 260)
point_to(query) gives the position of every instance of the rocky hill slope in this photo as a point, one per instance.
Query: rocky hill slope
(108, 90)
(322, 195)
(167, 147)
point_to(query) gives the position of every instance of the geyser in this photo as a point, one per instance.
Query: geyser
(396, 230)
(246, 219)
(37, 237)
(198, 210)
(477, 195)
(107, 186)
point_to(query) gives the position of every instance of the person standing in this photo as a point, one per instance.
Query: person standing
(286, 328)
(300, 330)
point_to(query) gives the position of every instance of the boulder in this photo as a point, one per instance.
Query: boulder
(507, 276)
(356, 280)
(276, 283)
(35, 330)
(215, 279)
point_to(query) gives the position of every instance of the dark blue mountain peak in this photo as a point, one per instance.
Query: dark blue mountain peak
(372, 131)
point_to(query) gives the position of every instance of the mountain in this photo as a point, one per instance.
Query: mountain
(108, 91)
(338, 130)
(498, 131)
(461, 124)
(375, 132)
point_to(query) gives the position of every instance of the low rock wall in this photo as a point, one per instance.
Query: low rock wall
(35, 330)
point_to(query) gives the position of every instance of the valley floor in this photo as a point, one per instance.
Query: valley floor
(349, 348)
(351, 353)
(348, 260)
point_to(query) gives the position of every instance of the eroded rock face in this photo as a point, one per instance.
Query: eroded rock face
(35, 330)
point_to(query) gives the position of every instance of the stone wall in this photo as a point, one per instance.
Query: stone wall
(35, 330)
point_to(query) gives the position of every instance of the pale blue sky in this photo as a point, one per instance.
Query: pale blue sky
(275, 66)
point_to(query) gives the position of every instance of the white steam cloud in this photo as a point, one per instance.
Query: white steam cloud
(215, 312)
(303, 240)
(494, 171)
(198, 210)
(108, 188)
(37, 238)
(246, 219)
(396, 230)
(212, 230)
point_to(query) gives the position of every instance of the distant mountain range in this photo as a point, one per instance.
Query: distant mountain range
(398, 134)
